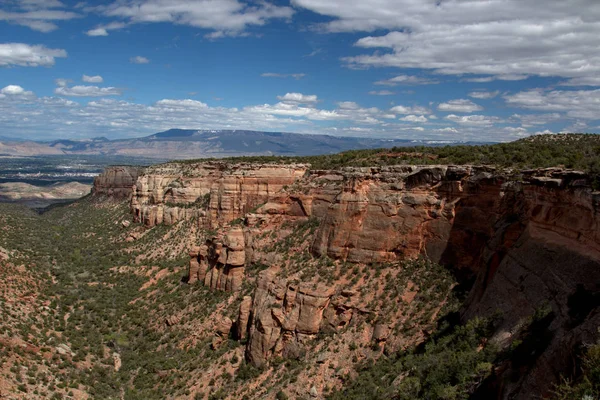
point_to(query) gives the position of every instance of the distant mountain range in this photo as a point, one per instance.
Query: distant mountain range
(188, 143)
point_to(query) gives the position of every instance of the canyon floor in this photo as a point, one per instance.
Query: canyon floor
(369, 277)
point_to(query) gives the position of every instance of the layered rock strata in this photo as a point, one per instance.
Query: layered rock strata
(214, 192)
(117, 182)
(219, 263)
(528, 239)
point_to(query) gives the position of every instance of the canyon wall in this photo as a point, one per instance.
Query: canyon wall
(215, 192)
(527, 239)
(116, 181)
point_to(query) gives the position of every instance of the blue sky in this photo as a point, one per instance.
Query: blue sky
(493, 70)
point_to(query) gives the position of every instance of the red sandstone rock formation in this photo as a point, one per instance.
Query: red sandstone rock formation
(215, 192)
(116, 182)
(528, 238)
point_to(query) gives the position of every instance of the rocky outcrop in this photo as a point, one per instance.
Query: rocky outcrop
(214, 192)
(243, 318)
(283, 317)
(544, 253)
(525, 238)
(382, 214)
(116, 181)
(198, 264)
(220, 263)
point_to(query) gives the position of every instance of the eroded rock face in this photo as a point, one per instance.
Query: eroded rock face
(387, 213)
(243, 318)
(220, 263)
(284, 316)
(198, 264)
(214, 192)
(116, 182)
(527, 238)
(544, 253)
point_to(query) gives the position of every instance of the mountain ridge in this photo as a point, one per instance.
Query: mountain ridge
(196, 143)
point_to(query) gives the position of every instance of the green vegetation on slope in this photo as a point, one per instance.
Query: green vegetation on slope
(578, 151)
(450, 366)
(587, 387)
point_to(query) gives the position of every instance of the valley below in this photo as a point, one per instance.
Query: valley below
(456, 273)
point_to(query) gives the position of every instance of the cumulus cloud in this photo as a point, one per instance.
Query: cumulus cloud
(16, 92)
(459, 105)
(510, 38)
(410, 110)
(447, 130)
(92, 79)
(482, 94)
(576, 103)
(381, 93)
(223, 18)
(298, 98)
(414, 118)
(86, 91)
(139, 60)
(12, 90)
(63, 117)
(473, 120)
(407, 80)
(529, 120)
(40, 15)
(181, 104)
(28, 56)
(97, 32)
(276, 75)
(103, 30)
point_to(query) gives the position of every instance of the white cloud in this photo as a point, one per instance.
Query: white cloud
(576, 103)
(12, 90)
(482, 94)
(459, 105)
(28, 56)
(40, 15)
(479, 80)
(16, 92)
(576, 127)
(348, 105)
(92, 79)
(529, 120)
(410, 110)
(61, 82)
(223, 17)
(582, 81)
(473, 120)
(97, 32)
(51, 117)
(407, 80)
(447, 130)
(298, 98)
(516, 131)
(181, 104)
(103, 30)
(381, 93)
(295, 110)
(86, 91)
(139, 60)
(276, 75)
(505, 38)
(414, 118)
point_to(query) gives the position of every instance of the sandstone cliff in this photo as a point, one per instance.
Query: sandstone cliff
(527, 239)
(116, 181)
